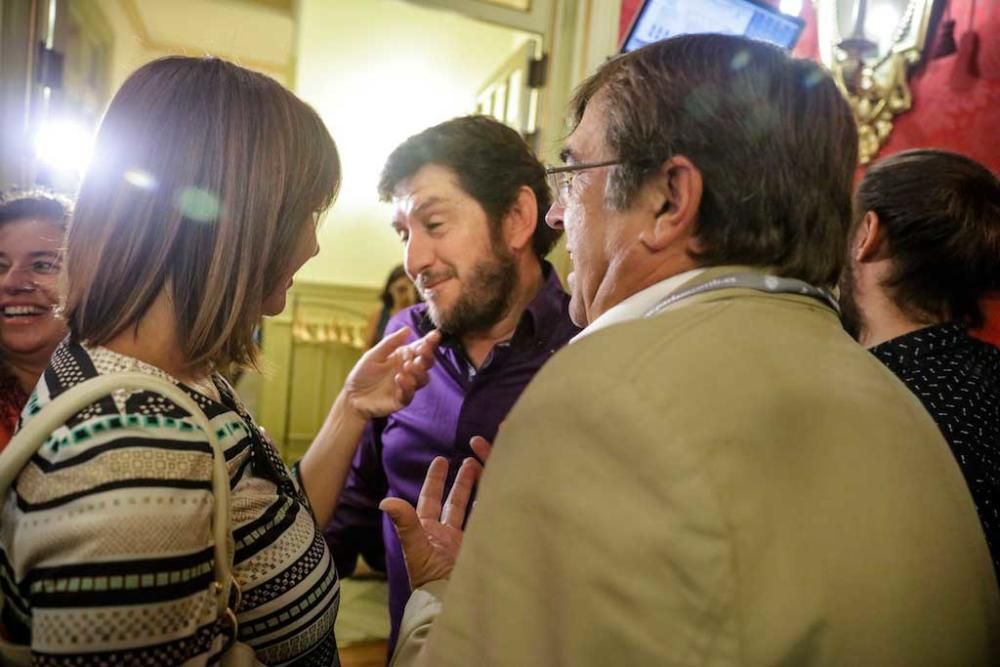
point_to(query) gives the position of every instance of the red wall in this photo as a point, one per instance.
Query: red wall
(956, 99)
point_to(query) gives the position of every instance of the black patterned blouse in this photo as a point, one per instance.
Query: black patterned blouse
(957, 378)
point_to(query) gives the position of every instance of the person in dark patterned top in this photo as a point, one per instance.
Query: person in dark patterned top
(924, 251)
(198, 209)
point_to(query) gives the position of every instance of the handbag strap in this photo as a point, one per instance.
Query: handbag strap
(36, 431)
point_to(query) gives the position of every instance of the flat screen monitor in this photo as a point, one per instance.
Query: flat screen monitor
(660, 19)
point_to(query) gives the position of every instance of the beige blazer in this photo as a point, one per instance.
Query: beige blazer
(732, 482)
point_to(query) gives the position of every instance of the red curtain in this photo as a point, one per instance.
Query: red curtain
(956, 99)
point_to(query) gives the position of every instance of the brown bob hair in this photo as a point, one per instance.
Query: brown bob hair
(203, 174)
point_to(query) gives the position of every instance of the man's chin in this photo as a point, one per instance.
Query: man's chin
(437, 317)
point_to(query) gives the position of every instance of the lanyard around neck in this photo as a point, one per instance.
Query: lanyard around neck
(755, 281)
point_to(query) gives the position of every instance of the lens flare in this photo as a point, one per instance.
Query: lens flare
(197, 204)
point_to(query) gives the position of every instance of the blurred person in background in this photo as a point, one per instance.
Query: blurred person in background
(398, 293)
(32, 226)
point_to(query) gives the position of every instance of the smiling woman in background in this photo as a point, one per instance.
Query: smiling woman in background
(32, 225)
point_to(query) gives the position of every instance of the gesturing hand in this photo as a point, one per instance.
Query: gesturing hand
(431, 536)
(386, 377)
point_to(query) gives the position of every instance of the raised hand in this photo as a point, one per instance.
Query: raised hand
(387, 376)
(431, 535)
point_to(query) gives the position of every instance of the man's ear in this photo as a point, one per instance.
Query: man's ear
(869, 242)
(520, 220)
(675, 197)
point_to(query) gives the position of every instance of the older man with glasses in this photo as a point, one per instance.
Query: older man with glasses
(713, 473)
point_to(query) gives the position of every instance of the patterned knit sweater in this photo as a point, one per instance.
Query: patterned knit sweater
(106, 545)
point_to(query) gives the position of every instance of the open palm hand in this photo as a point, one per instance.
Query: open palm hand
(431, 534)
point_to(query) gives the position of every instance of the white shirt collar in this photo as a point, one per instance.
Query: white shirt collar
(637, 305)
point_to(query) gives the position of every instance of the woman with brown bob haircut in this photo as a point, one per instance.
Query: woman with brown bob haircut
(199, 207)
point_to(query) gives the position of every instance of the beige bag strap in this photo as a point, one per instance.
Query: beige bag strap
(30, 438)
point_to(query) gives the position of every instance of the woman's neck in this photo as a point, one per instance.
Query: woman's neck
(154, 341)
(26, 370)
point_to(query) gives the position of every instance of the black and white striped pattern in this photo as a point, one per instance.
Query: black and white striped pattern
(105, 545)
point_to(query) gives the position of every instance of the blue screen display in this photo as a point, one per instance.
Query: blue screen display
(660, 19)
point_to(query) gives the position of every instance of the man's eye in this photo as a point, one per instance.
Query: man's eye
(45, 267)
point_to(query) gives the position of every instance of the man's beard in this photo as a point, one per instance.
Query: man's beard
(485, 297)
(850, 313)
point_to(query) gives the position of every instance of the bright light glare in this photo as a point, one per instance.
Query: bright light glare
(376, 122)
(64, 145)
(791, 7)
(140, 179)
(881, 21)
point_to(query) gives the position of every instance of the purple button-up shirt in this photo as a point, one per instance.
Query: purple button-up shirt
(458, 403)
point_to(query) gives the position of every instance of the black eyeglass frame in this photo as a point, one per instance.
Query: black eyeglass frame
(551, 171)
(560, 186)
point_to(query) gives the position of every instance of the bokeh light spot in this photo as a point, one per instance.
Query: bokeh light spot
(197, 204)
(739, 61)
(814, 77)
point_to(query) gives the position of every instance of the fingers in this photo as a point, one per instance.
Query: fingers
(385, 347)
(417, 360)
(481, 447)
(429, 501)
(422, 351)
(461, 491)
(428, 344)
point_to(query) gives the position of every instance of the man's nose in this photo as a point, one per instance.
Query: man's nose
(418, 255)
(554, 217)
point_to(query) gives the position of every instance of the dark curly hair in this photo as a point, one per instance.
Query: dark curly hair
(491, 161)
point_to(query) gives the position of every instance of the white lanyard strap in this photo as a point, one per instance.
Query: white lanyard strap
(755, 281)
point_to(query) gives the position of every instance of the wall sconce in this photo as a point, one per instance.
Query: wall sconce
(870, 47)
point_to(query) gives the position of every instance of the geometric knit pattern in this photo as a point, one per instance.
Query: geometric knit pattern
(106, 543)
(957, 378)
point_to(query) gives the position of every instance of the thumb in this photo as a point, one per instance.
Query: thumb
(406, 522)
(390, 344)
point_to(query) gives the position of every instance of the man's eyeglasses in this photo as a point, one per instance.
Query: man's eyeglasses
(561, 178)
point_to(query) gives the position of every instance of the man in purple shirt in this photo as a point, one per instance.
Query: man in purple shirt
(469, 201)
